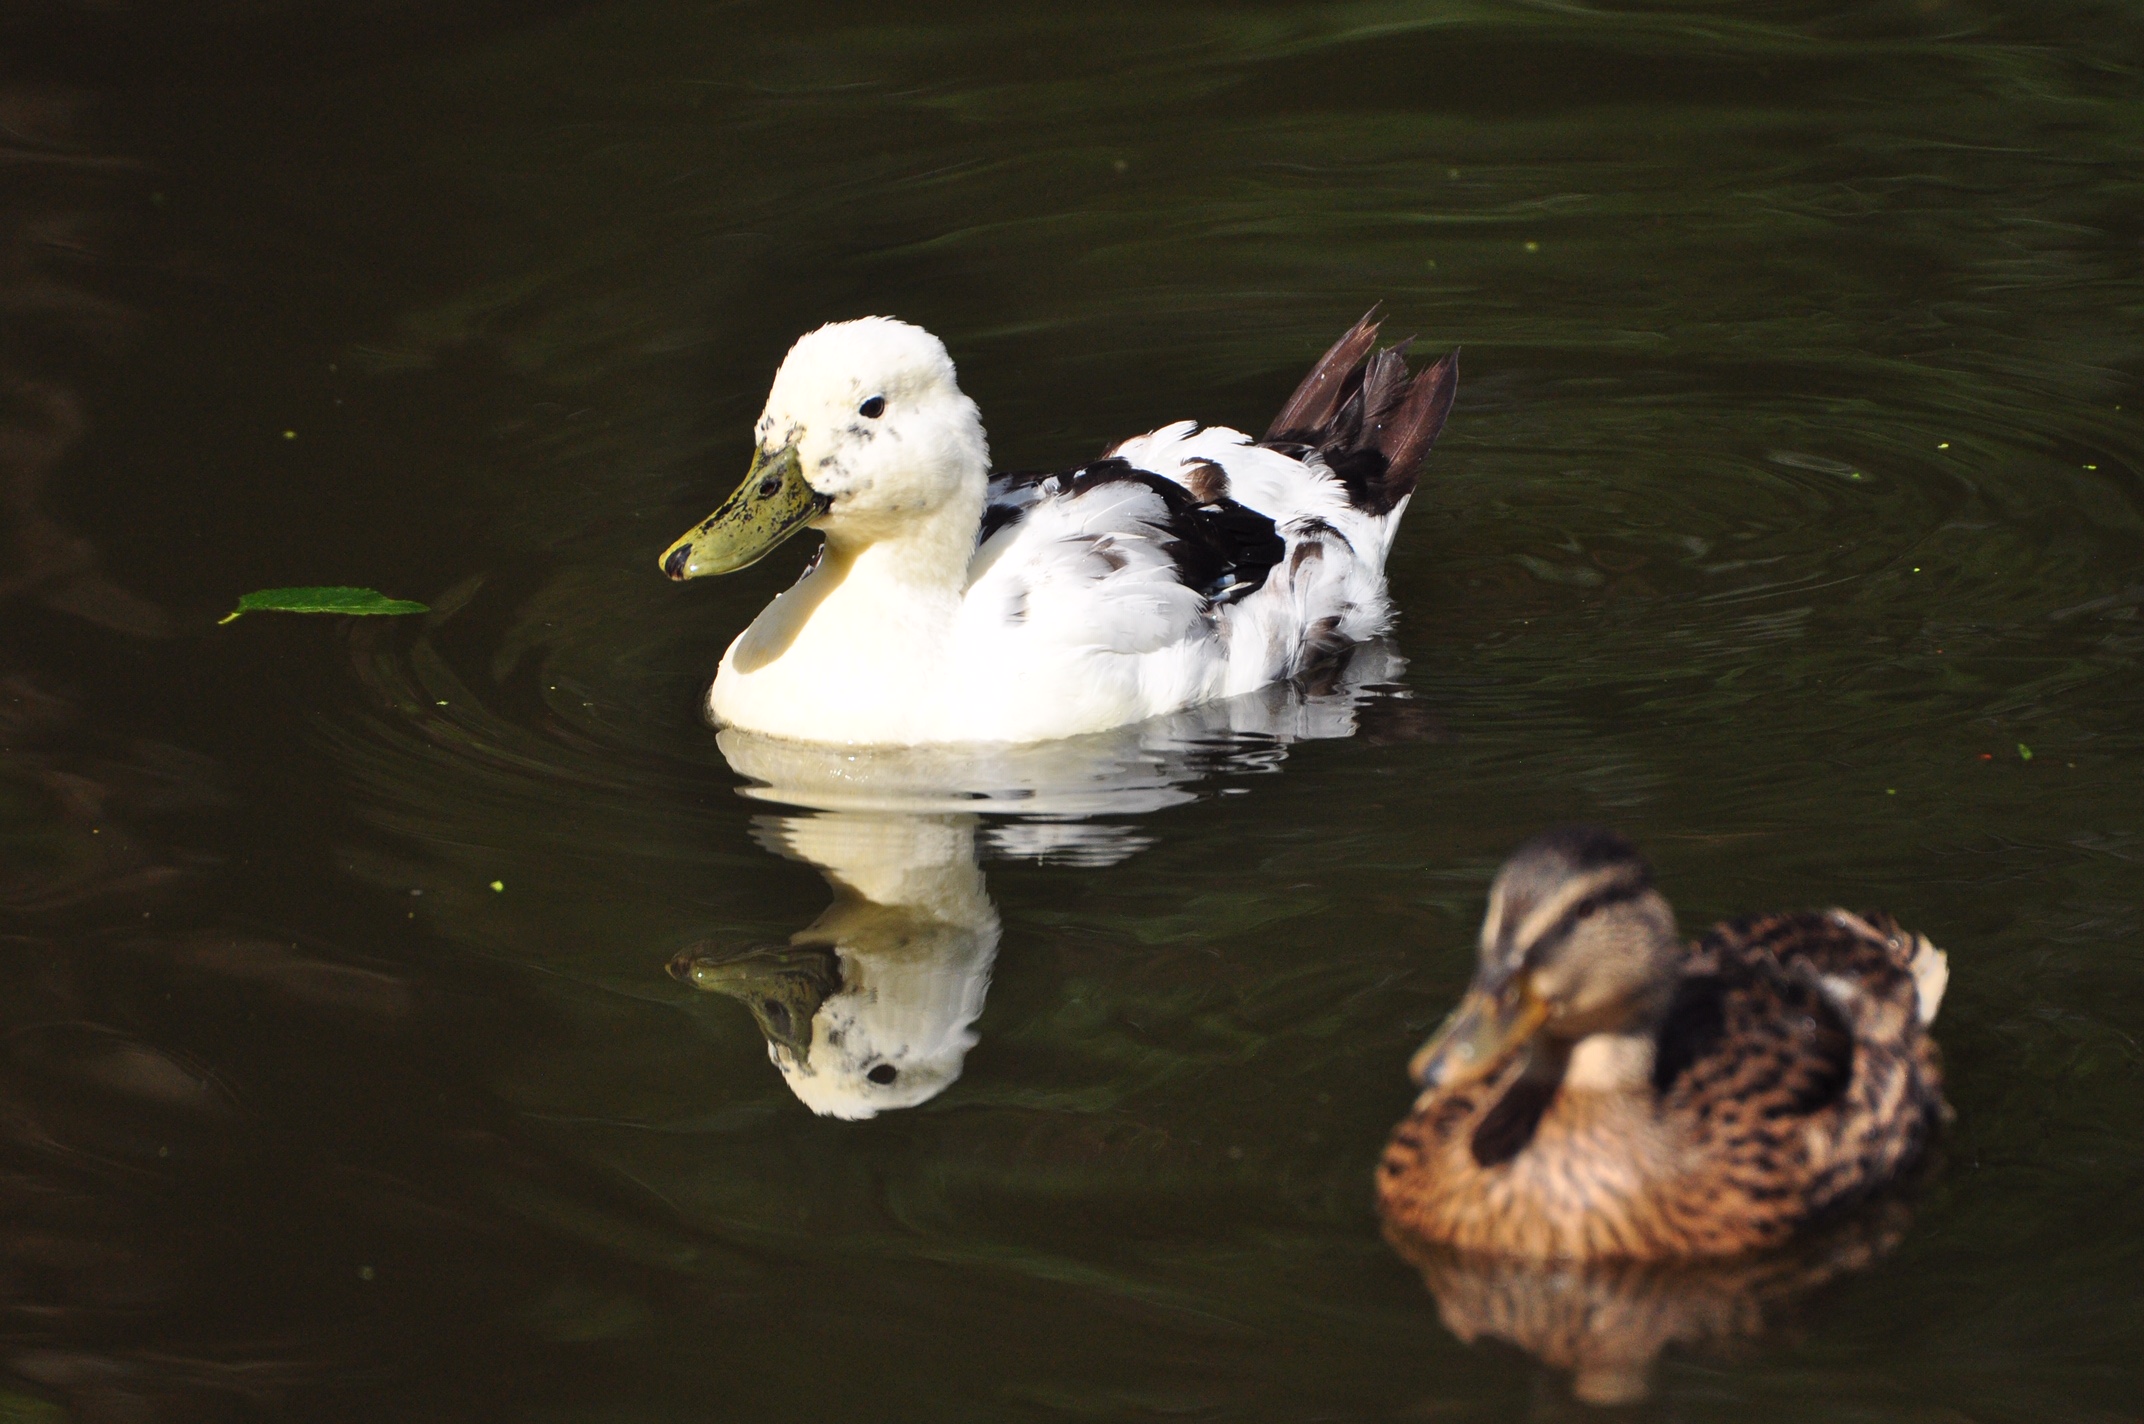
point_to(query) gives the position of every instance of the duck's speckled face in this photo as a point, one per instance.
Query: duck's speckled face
(864, 1059)
(865, 428)
(1576, 941)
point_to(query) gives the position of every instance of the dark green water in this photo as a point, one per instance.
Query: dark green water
(1790, 497)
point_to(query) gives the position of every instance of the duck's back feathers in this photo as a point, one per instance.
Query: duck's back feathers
(1791, 1077)
(1819, 1077)
(1239, 561)
(1220, 550)
(1107, 558)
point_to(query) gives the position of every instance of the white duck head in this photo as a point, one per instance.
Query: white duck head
(866, 436)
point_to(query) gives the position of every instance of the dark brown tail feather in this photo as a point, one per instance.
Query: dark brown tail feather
(1315, 402)
(1359, 410)
(1406, 436)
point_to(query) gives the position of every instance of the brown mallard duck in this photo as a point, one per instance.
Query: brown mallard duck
(1605, 1091)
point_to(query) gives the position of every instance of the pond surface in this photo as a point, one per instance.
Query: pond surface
(1789, 520)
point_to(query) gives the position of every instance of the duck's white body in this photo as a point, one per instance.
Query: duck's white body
(1071, 620)
(1188, 564)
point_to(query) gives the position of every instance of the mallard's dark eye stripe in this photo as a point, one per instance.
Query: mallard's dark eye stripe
(1524, 916)
(1621, 893)
(1617, 891)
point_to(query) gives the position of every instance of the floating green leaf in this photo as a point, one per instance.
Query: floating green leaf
(2024, 753)
(322, 600)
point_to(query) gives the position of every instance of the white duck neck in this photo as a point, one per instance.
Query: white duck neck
(914, 555)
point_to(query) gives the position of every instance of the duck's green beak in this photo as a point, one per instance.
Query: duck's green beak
(1482, 1032)
(782, 984)
(773, 503)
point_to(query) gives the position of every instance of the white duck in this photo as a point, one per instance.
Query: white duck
(946, 606)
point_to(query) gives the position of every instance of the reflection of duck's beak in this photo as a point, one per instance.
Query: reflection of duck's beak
(773, 503)
(1491, 1022)
(782, 984)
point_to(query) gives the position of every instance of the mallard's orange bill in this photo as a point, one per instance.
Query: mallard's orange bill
(1486, 1028)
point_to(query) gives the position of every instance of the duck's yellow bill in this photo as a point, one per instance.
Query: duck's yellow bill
(773, 503)
(1481, 1033)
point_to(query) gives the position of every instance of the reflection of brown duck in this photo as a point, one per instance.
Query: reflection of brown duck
(1605, 1092)
(1604, 1322)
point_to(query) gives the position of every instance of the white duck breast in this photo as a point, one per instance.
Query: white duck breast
(1187, 564)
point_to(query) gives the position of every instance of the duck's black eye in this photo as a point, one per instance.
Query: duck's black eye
(883, 1074)
(1585, 909)
(873, 408)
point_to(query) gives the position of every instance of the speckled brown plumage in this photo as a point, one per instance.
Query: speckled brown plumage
(1791, 1076)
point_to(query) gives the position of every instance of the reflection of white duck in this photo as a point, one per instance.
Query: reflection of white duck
(1185, 565)
(871, 1007)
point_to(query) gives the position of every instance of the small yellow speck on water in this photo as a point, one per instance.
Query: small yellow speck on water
(498, 885)
(1916, 568)
(1120, 165)
(364, 1273)
(290, 435)
(1430, 262)
(1454, 173)
(1533, 247)
(2091, 467)
(1890, 791)
(2024, 753)
(441, 703)
(1942, 444)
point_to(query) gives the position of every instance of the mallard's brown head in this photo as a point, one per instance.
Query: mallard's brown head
(1576, 942)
